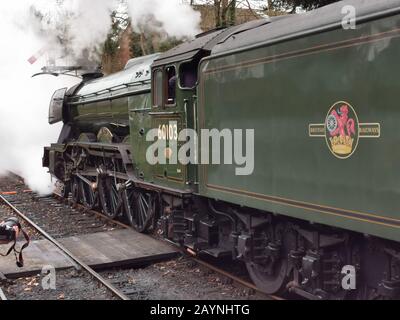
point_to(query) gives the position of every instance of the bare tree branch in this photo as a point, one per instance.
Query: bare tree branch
(251, 10)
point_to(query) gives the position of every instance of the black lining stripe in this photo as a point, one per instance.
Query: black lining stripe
(314, 207)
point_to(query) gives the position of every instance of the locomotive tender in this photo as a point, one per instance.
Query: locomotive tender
(322, 101)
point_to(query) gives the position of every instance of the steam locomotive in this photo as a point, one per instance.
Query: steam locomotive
(322, 194)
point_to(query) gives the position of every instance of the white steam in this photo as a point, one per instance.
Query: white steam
(26, 26)
(78, 24)
(176, 18)
(24, 101)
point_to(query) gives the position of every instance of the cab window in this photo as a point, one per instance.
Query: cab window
(158, 88)
(171, 85)
(188, 75)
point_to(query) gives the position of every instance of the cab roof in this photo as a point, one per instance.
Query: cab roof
(203, 43)
(291, 26)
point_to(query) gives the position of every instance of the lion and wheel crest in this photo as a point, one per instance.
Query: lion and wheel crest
(342, 130)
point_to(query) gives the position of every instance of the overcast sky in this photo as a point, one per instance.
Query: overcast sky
(255, 4)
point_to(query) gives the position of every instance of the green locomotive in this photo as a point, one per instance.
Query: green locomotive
(320, 194)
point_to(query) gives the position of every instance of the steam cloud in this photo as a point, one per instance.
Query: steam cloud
(77, 24)
(29, 25)
(176, 18)
(24, 101)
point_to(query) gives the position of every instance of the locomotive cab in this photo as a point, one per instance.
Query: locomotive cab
(173, 109)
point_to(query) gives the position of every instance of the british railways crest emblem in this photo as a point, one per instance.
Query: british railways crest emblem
(342, 130)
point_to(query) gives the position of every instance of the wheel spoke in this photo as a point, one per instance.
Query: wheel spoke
(145, 203)
(75, 191)
(138, 208)
(114, 199)
(144, 211)
(129, 206)
(141, 213)
(87, 195)
(109, 196)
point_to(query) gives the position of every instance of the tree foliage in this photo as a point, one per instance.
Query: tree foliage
(291, 5)
(225, 12)
(111, 44)
(111, 47)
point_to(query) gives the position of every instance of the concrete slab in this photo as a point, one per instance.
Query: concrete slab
(98, 250)
(39, 254)
(118, 248)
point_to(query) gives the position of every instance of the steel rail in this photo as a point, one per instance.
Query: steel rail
(234, 278)
(103, 281)
(2, 295)
(220, 271)
(90, 211)
(209, 266)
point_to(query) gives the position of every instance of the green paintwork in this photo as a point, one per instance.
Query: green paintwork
(104, 101)
(165, 175)
(281, 98)
(278, 90)
(139, 120)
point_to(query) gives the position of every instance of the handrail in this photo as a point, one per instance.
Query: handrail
(113, 88)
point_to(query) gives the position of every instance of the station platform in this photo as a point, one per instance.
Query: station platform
(119, 248)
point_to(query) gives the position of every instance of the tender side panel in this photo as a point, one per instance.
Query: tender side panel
(280, 91)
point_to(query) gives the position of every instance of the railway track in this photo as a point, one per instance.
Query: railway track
(236, 280)
(78, 262)
(65, 218)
